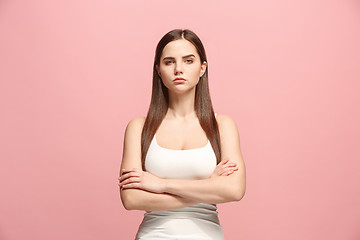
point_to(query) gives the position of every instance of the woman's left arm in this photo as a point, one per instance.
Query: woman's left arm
(222, 188)
(212, 190)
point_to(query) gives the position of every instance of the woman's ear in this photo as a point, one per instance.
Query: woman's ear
(203, 68)
(157, 69)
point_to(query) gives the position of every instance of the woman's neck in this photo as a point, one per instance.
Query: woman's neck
(182, 106)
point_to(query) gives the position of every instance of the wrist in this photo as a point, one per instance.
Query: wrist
(165, 185)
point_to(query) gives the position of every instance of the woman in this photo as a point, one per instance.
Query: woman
(166, 169)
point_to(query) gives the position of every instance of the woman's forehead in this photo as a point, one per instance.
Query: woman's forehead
(179, 47)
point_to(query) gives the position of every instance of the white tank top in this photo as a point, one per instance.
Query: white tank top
(197, 163)
(199, 221)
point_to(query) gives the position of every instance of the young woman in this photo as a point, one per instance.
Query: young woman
(182, 158)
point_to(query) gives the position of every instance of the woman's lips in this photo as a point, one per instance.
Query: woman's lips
(179, 80)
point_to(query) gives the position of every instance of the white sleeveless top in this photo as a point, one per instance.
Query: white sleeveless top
(196, 222)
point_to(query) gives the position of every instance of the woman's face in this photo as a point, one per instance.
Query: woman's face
(180, 59)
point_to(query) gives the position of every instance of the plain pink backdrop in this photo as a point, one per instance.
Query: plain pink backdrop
(73, 73)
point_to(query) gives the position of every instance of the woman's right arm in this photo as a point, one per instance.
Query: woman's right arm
(137, 199)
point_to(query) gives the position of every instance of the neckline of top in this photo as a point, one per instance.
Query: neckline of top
(181, 150)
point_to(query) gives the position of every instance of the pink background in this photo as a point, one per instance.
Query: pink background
(73, 73)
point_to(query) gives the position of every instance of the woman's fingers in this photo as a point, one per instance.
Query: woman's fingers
(128, 174)
(123, 171)
(130, 181)
(223, 162)
(130, 178)
(227, 170)
(132, 185)
(141, 180)
(231, 164)
(228, 164)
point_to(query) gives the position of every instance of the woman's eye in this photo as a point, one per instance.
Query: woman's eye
(189, 61)
(167, 62)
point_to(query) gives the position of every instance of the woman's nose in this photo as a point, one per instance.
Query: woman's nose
(178, 68)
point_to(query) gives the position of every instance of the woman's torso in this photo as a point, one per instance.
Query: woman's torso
(199, 221)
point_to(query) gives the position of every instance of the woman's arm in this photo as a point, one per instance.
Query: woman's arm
(140, 199)
(213, 190)
(223, 188)
(137, 198)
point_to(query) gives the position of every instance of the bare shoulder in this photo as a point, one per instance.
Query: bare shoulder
(229, 137)
(132, 143)
(135, 125)
(132, 136)
(226, 123)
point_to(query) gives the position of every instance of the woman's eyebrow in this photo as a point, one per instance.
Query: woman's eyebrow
(190, 55)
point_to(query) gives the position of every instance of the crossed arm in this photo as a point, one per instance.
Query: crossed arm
(144, 191)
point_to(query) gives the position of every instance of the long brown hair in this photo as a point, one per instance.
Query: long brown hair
(160, 98)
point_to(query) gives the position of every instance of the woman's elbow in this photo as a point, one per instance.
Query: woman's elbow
(238, 193)
(128, 205)
(128, 201)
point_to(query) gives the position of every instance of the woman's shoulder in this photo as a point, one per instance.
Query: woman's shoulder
(225, 122)
(135, 124)
(223, 117)
(137, 120)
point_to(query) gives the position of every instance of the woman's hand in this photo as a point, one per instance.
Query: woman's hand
(136, 178)
(224, 168)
